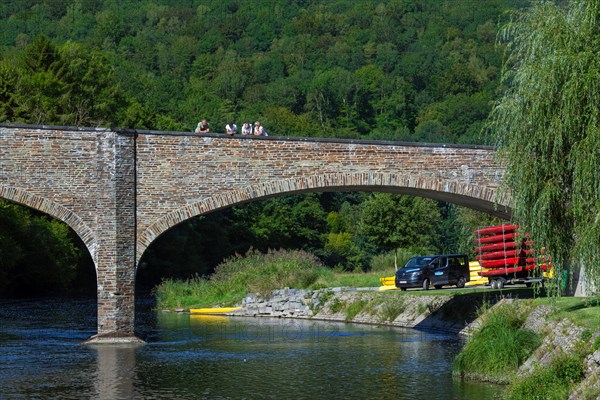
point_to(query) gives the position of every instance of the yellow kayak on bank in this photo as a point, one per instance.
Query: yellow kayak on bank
(214, 310)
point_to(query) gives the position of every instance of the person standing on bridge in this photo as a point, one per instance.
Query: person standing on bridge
(231, 129)
(203, 127)
(259, 130)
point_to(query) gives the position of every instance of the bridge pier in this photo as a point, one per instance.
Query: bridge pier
(116, 252)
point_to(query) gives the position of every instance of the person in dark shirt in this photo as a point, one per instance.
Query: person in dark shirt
(203, 127)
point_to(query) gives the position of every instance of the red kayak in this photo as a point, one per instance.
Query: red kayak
(511, 270)
(503, 262)
(500, 246)
(497, 238)
(501, 254)
(506, 228)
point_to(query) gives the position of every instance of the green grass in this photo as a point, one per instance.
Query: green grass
(584, 312)
(237, 276)
(499, 347)
(549, 383)
(391, 307)
(354, 308)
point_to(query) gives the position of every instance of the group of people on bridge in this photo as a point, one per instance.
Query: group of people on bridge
(231, 129)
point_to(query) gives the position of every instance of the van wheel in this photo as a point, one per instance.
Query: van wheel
(426, 284)
(403, 289)
(461, 282)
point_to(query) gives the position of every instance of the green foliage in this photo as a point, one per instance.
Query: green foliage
(37, 255)
(548, 128)
(336, 305)
(391, 307)
(499, 347)
(549, 383)
(67, 85)
(329, 278)
(328, 68)
(395, 221)
(284, 222)
(355, 308)
(253, 273)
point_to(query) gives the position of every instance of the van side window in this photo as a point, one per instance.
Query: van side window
(456, 262)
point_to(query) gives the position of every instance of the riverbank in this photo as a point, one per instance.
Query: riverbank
(568, 330)
(447, 312)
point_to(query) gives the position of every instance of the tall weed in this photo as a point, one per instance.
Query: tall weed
(499, 347)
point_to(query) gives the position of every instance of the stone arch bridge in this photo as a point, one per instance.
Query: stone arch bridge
(120, 189)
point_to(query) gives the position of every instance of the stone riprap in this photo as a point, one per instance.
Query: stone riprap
(121, 189)
(370, 307)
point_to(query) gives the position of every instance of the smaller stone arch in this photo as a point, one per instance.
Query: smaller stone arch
(55, 210)
(484, 199)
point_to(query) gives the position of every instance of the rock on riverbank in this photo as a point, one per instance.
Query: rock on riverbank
(438, 311)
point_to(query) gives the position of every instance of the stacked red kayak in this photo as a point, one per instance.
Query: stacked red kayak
(499, 249)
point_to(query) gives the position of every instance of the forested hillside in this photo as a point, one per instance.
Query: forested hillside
(411, 70)
(403, 69)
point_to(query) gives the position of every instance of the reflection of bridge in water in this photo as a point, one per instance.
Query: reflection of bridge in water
(120, 189)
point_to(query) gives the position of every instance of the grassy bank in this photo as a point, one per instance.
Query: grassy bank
(257, 273)
(501, 345)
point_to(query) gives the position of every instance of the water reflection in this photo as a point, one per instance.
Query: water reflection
(116, 371)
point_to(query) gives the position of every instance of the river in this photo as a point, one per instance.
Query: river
(42, 356)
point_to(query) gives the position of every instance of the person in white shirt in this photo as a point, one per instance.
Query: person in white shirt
(231, 129)
(259, 130)
(247, 128)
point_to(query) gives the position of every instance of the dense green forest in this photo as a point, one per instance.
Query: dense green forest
(395, 70)
(422, 70)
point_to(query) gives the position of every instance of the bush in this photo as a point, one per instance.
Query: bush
(235, 277)
(499, 347)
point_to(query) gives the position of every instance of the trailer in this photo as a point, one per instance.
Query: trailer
(507, 257)
(528, 275)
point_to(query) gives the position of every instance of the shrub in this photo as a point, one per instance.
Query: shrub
(499, 347)
(255, 272)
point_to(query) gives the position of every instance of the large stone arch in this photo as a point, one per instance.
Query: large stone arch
(483, 199)
(57, 211)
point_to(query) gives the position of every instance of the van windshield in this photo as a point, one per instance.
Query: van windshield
(418, 262)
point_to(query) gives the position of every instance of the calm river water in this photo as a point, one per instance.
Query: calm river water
(191, 357)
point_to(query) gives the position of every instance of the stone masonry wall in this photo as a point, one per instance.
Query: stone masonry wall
(181, 176)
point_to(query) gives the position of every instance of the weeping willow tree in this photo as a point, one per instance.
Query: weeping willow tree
(547, 125)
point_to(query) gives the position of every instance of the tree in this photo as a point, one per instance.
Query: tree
(37, 255)
(548, 129)
(397, 221)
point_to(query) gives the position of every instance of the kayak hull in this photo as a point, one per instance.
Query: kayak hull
(497, 238)
(216, 310)
(494, 230)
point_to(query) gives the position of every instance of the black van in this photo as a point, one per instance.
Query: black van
(437, 271)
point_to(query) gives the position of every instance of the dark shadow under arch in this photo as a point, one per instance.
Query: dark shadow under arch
(55, 210)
